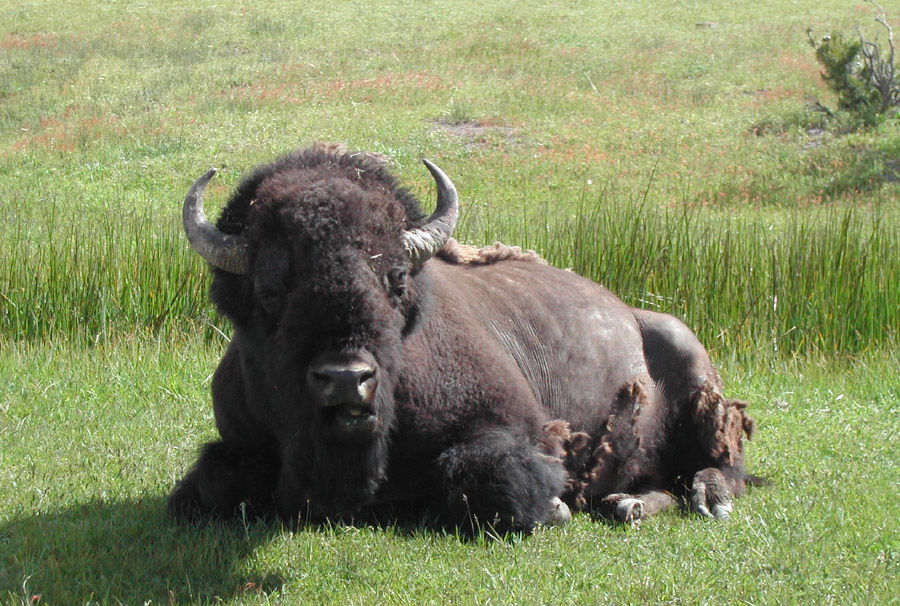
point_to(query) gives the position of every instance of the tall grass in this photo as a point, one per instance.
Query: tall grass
(92, 280)
(785, 283)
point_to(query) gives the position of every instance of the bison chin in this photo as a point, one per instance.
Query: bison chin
(340, 465)
(341, 473)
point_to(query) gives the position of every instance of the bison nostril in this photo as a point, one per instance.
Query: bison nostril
(368, 378)
(368, 382)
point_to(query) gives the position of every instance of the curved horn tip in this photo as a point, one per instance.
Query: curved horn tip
(432, 167)
(209, 174)
(200, 184)
(446, 188)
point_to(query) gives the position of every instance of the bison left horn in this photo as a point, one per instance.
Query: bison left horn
(424, 241)
(224, 251)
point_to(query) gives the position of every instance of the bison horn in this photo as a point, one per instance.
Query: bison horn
(423, 242)
(224, 251)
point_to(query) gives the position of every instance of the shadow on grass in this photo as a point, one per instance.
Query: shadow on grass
(128, 552)
(132, 552)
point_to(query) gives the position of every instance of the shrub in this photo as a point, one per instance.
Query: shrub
(864, 81)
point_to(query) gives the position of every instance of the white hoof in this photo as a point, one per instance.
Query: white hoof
(721, 511)
(710, 495)
(630, 510)
(560, 514)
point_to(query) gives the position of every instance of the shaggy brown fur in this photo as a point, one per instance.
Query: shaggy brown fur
(464, 254)
(722, 424)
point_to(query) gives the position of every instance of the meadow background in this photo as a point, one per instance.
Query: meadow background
(663, 149)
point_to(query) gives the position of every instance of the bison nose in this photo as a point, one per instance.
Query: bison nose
(343, 380)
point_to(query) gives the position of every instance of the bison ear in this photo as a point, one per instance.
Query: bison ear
(233, 295)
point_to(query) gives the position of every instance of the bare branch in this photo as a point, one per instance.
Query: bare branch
(881, 73)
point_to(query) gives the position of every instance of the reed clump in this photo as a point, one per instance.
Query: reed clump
(784, 283)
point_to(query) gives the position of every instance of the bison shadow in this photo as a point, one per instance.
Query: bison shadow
(127, 552)
(132, 552)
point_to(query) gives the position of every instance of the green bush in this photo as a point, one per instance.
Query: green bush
(844, 76)
(865, 84)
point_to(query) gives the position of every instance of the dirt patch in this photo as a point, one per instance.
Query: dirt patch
(474, 133)
(27, 42)
(814, 137)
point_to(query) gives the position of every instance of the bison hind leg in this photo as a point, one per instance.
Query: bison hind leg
(501, 481)
(721, 426)
(632, 508)
(711, 494)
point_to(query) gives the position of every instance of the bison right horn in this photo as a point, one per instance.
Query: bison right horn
(224, 251)
(423, 242)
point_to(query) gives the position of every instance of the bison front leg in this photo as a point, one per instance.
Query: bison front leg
(222, 483)
(241, 468)
(501, 481)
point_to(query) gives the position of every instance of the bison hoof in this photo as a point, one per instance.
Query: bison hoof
(711, 494)
(560, 514)
(184, 503)
(630, 510)
(624, 508)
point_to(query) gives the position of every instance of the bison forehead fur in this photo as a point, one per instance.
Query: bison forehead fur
(379, 366)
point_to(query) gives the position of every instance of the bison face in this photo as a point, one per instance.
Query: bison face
(330, 344)
(322, 310)
(315, 273)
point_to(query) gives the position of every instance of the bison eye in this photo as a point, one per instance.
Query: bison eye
(395, 284)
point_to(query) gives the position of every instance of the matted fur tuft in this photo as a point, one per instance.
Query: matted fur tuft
(721, 424)
(464, 254)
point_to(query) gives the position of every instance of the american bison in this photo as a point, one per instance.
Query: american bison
(378, 365)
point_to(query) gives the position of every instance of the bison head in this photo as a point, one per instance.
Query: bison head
(314, 261)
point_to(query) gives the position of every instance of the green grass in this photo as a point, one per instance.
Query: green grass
(664, 151)
(545, 122)
(93, 439)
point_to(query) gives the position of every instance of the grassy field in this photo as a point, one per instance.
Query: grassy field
(662, 150)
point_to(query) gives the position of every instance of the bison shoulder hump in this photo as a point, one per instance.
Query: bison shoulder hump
(463, 254)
